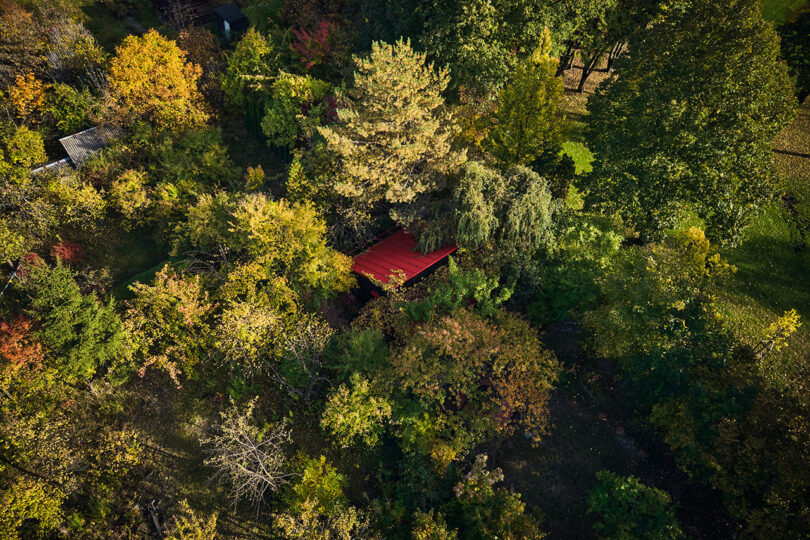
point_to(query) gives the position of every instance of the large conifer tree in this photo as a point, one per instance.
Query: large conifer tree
(393, 139)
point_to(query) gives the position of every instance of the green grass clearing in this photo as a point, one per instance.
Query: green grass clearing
(772, 268)
(583, 158)
(108, 28)
(779, 11)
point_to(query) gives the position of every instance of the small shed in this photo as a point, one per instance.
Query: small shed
(84, 144)
(396, 256)
(231, 20)
(79, 147)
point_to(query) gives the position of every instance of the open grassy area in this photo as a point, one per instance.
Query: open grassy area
(780, 10)
(110, 29)
(583, 158)
(774, 260)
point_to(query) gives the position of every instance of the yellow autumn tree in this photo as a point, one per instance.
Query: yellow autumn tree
(151, 80)
(27, 97)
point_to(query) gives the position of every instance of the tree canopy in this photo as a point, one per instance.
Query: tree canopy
(685, 125)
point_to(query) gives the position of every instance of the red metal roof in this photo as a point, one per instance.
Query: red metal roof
(396, 253)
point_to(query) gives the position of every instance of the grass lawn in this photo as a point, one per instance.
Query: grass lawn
(773, 267)
(580, 154)
(109, 29)
(779, 10)
(771, 278)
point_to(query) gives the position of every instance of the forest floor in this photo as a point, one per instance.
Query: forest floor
(591, 429)
(110, 29)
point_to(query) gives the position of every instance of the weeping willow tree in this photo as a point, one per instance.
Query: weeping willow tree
(509, 214)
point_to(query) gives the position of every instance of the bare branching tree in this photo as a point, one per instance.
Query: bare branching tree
(251, 460)
(177, 14)
(74, 52)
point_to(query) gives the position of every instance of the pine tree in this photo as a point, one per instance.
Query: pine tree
(393, 138)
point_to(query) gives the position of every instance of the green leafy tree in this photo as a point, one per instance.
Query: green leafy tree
(430, 526)
(70, 108)
(317, 506)
(495, 370)
(358, 351)
(260, 314)
(189, 525)
(295, 109)
(355, 416)
(483, 511)
(81, 334)
(627, 509)
(393, 137)
(288, 240)
(185, 165)
(529, 115)
(251, 64)
(30, 500)
(510, 213)
(584, 250)
(309, 523)
(318, 481)
(685, 124)
(168, 324)
(482, 40)
(462, 287)
(130, 196)
(655, 296)
(20, 149)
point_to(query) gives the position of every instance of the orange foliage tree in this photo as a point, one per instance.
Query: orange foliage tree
(18, 348)
(28, 97)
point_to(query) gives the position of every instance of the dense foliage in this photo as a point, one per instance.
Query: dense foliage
(185, 352)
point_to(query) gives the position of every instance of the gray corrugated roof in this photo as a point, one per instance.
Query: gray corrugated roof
(63, 165)
(84, 144)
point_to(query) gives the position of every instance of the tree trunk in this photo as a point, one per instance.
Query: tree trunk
(566, 59)
(615, 52)
(587, 68)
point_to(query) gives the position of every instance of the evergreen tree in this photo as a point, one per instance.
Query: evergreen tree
(393, 139)
(81, 334)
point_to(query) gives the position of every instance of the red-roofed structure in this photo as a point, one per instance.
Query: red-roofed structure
(395, 255)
